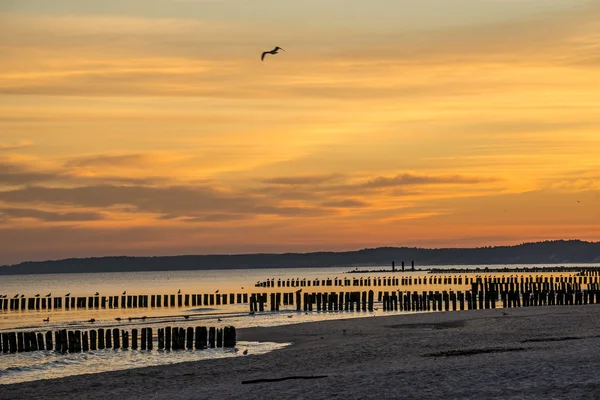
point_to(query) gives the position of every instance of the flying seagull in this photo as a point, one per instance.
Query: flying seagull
(274, 51)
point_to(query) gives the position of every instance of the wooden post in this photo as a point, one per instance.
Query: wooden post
(149, 337)
(84, 341)
(12, 342)
(93, 340)
(198, 344)
(5, 345)
(108, 339)
(161, 338)
(144, 340)
(190, 338)
(116, 339)
(71, 343)
(48, 341)
(100, 339)
(125, 339)
(211, 337)
(219, 338)
(203, 337)
(175, 339)
(181, 339)
(168, 338)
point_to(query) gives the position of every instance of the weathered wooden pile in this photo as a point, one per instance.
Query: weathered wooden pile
(169, 338)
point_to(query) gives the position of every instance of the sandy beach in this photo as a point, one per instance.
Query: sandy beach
(542, 352)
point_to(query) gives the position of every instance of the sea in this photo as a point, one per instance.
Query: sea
(23, 367)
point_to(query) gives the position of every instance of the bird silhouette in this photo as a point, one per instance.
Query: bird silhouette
(117, 319)
(274, 51)
(219, 319)
(37, 295)
(217, 291)
(246, 352)
(92, 320)
(67, 295)
(186, 316)
(179, 291)
(97, 294)
(16, 295)
(49, 294)
(22, 295)
(47, 319)
(125, 292)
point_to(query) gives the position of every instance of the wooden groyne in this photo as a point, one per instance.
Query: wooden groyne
(483, 293)
(169, 338)
(579, 276)
(121, 302)
(584, 278)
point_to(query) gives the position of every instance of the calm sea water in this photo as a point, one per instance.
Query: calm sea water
(22, 367)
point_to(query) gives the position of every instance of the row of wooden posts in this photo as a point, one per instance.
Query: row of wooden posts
(195, 300)
(169, 338)
(481, 296)
(444, 279)
(124, 301)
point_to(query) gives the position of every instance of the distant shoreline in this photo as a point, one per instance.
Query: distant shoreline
(551, 252)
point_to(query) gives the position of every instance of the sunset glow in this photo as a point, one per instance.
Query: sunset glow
(152, 127)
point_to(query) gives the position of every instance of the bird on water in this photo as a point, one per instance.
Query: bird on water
(274, 51)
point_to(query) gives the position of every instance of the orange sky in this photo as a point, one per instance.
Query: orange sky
(151, 127)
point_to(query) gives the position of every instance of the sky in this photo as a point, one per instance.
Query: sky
(151, 127)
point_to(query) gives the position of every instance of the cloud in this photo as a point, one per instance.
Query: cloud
(302, 179)
(14, 146)
(217, 218)
(410, 180)
(171, 201)
(16, 174)
(47, 216)
(110, 161)
(348, 203)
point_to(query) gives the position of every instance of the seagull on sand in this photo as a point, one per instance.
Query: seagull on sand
(274, 51)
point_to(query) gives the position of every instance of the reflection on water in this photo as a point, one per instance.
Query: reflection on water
(23, 367)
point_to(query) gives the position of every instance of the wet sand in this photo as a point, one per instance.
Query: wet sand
(541, 352)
